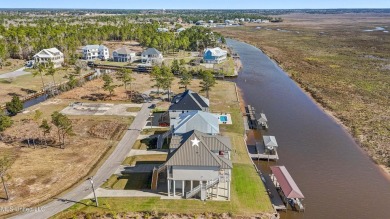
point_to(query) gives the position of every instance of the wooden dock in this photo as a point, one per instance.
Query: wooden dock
(262, 154)
(140, 68)
(274, 196)
(251, 114)
(246, 126)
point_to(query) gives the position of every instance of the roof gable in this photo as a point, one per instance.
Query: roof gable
(287, 183)
(190, 154)
(200, 121)
(189, 100)
(124, 51)
(202, 155)
(48, 53)
(151, 51)
(215, 51)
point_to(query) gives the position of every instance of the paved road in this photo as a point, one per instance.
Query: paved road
(15, 74)
(106, 170)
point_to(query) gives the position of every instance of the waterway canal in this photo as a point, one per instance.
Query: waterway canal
(336, 177)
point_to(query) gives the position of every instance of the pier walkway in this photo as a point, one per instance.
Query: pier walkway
(274, 196)
(261, 154)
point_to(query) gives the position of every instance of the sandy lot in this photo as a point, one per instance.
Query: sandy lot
(99, 109)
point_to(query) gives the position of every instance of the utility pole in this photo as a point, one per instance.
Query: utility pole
(93, 189)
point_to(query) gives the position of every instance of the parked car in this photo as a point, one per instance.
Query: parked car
(90, 63)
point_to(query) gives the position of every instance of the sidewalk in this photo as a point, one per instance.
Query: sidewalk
(100, 192)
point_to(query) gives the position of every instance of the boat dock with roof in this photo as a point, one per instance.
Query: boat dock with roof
(287, 188)
(267, 149)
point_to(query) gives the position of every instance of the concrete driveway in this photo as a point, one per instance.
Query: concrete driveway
(15, 74)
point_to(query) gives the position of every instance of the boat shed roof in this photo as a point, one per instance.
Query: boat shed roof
(263, 118)
(270, 142)
(286, 182)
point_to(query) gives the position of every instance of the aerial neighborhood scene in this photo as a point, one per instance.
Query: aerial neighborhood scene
(195, 109)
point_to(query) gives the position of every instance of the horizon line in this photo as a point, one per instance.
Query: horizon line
(204, 8)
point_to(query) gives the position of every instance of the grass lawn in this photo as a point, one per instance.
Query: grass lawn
(112, 63)
(152, 158)
(133, 109)
(26, 84)
(248, 198)
(227, 66)
(154, 131)
(248, 194)
(129, 181)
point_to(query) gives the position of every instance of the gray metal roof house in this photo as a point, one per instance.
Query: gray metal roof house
(123, 55)
(195, 120)
(152, 55)
(198, 164)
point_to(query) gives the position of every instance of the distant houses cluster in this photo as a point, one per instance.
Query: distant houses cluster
(149, 56)
(199, 160)
(99, 52)
(227, 22)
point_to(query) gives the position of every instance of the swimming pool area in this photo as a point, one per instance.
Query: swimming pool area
(224, 118)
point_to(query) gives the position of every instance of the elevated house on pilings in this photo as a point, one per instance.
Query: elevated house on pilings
(198, 166)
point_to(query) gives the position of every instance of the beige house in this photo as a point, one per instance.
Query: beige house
(53, 54)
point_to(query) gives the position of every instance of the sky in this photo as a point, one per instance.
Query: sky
(195, 4)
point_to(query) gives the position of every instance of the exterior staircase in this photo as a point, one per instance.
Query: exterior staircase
(156, 172)
(164, 119)
(161, 138)
(200, 187)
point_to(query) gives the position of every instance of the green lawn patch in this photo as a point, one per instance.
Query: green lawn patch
(153, 131)
(151, 158)
(248, 198)
(133, 109)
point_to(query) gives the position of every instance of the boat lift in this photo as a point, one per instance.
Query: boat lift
(263, 122)
(287, 187)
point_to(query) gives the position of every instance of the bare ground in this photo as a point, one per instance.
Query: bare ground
(40, 172)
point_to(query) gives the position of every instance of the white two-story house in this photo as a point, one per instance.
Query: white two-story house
(49, 55)
(92, 52)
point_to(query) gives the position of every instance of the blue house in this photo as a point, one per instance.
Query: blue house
(214, 55)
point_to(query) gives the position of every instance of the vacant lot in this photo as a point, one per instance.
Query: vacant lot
(42, 171)
(342, 61)
(248, 195)
(11, 65)
(27, 84)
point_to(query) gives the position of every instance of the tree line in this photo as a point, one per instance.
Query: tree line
(25, 40)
